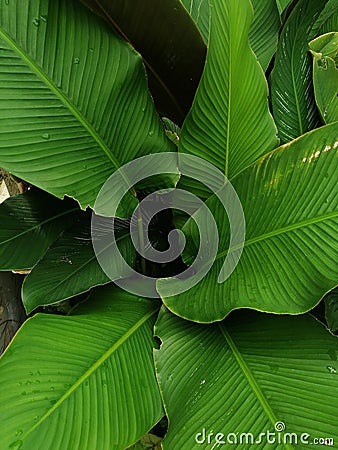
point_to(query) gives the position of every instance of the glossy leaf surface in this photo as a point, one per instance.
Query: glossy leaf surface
(84, 381)
(232, 92)
(251, 374)
(289, 198)
(74, 103)
(294, 109)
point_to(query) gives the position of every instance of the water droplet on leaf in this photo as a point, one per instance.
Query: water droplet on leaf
(68, 261)
(46, 136)
(331, 369)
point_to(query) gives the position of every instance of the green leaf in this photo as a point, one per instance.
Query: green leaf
(292, 95)
(244, 376)
(74, 104)
(238, 128)
(82, 382)
(331, 310)
(171, 46)
(291, 225)
(325, 75)
(326, 44)
(70, 266)
(30, 223)
(264, 30)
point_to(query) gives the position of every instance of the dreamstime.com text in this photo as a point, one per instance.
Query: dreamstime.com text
(279, 436)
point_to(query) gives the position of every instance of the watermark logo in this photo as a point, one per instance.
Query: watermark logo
(279, 426)
(280, 437)
(113, 196)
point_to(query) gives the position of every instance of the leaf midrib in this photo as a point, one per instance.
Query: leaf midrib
(279, 231)
(294, 85)
(58, 92)
(229, 106)
(92, 369)
(39, 225)
(251, 379)
(79, 268)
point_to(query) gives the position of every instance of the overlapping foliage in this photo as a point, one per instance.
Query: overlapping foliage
(75, 106)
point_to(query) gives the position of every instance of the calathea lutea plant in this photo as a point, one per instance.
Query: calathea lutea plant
(225, 112)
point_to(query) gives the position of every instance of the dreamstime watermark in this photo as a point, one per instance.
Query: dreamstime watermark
(279, 436)
(113, 198)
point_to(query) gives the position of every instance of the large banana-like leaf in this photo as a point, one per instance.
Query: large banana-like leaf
(325, 75)
(251, 374)
(81, 382)
(170, 44)
(70, 266)
(290, 202)
(30, 223)
(74, 103)
(294, 108)
(229, 124)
